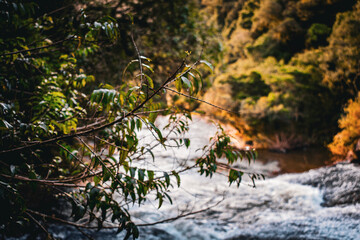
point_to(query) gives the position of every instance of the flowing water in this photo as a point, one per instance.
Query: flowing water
(321, 203)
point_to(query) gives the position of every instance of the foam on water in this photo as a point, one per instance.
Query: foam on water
(310, 205)
(287, 206)
(277, 208)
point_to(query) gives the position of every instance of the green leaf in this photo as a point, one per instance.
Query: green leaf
(88, 186)
(178, 180)
(253, 177)
(187, 142)
(127, 66)
(146, 58)
(141, 174)
(200, 76)
(232, 175)
(186, 82)
(106, 174)
(132, 171)
(178, 85)
(132, 125)
(168, 197)
(79, 211)
(196, 83)
(104, 96)
(32, 175)
(138, 124)
(158, 132)
(152, 116)
(150, 175)
(5, 124)
(152, 154)
(150, 81)
(147, 66)
(135, 231)
(160, 197)
(167, 179)
(208, 64)
(97, 180)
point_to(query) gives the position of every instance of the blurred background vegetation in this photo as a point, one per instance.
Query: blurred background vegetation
(289, 68)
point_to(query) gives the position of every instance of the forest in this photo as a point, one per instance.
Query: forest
(81, 81)
(291, 70)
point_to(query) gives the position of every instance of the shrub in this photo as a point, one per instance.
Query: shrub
(347, 138)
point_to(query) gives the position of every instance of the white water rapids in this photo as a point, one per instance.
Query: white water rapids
(322, 203)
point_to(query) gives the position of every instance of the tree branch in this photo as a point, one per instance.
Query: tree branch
(179, 216)
(94, 129)
(41, 226)
(43, 181)
(77, 225)
(36, 48)
(199, 100)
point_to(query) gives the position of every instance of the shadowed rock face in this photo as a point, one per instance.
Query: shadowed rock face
(332, 218)
(340, 183)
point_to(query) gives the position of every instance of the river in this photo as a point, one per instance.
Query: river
(292, 203)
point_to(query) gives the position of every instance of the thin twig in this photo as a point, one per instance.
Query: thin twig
(42, 181)
(199, 100)
(39, 224)
(139, 59)
(36, 48)
(179, 216)
(84, 233)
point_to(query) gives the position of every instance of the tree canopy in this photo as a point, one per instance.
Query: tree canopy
(289, 68)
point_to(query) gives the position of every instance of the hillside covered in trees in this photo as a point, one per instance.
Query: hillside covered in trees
(289, 68)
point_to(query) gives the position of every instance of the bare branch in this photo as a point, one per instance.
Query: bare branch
(179, 216)
(199, 100)
(139, 59)
(41, 226)
(37, 48)
(42, 181)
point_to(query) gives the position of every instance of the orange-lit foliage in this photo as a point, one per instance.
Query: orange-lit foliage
(345, 140)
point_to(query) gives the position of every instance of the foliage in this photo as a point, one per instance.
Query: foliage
(340, 60)
(164, 30)
(289, 66)
(347, 138)
(317, 35)
(66, 140)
